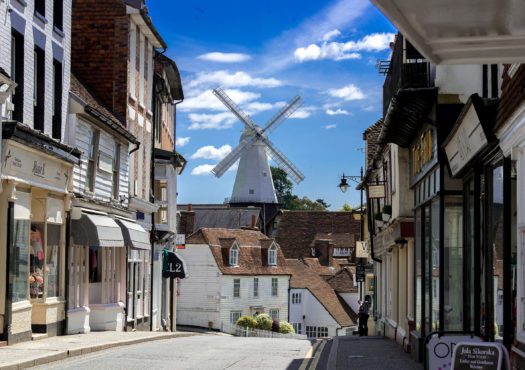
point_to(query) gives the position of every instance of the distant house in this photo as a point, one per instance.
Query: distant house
(315, 307)
(233, 272)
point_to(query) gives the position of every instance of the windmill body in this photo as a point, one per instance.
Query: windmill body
(253, 182)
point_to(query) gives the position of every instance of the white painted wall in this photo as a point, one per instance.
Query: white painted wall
(314, 312)
(199, 294)
(247, 300)
(351, 299)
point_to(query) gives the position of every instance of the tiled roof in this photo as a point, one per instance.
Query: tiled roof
(253, 251)
(315, 265)
(218, 216)
(371, 136)
(343, 280)
(512, 93)
(304, 277)
(298, 230)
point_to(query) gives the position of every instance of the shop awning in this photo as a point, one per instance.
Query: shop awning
(96, 230)
(134, 235)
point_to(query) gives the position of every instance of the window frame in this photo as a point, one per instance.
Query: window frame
(57, 100)
(17, 74)
(274, 313)
(234, 314)
(272, 255)
(40, 7)
(297, 298)
(58, 14)
(234, 255)
(115, 180)
(92, 159)
(236, 288)
(275, 287)
(39, 88)
(256, 287)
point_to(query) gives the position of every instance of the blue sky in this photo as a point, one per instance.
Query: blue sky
(262, 53)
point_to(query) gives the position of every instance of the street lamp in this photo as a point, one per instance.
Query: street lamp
(343, 185)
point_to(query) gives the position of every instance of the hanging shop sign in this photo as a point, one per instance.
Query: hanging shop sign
(376, 191)
(361, 250)
(34, 168)
(422, 151)
(440, 349)
(180, 241)
(173, 266)
(467, 141)
(482, 356)
(360, 273)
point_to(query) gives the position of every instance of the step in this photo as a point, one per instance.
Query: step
(38, 336)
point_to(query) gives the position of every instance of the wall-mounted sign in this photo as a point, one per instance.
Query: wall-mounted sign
(36, 169)
(376, 191)
(441, 348)
(422, 151)
(482, 356)
(173, 266)
(360, 273)
(361, 250)
(468, 140)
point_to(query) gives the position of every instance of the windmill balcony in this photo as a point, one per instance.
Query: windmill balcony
(407, 69)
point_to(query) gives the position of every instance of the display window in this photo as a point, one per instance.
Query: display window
(20, 261)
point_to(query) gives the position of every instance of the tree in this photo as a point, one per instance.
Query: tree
(283, 188)
(346, 208)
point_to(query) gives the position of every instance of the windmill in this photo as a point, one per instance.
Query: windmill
(253, 182)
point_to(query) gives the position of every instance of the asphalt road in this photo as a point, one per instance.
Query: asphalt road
(199, 352)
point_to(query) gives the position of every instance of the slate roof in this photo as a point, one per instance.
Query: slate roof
(304, 277)
(253, 251)
(222, 216)
(298, 230)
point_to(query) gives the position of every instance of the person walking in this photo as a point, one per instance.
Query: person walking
(364, 308)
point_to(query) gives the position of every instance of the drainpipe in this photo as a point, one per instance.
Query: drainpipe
(137, 146)
(8, 281)
(66, 280)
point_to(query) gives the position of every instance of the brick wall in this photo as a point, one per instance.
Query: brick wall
(100, 33)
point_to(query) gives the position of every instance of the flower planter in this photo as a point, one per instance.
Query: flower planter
(386, 217)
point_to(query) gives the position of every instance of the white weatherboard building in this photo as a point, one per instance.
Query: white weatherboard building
(232, 273)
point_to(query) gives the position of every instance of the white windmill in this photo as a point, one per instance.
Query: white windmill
(253, 183)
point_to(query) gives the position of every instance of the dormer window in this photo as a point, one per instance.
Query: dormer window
(272, 255)
(234, 254)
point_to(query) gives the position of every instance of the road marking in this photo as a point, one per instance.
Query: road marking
(308, 356)
(317, 356)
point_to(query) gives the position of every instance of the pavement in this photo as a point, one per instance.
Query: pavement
(44, 351)
(370, 353)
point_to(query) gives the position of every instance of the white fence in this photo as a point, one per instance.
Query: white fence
(239, 331)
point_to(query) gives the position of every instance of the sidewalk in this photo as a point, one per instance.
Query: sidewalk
(43, 351)
(371, 353)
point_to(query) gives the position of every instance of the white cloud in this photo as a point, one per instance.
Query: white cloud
(224, 57)
(348, 92)
(303, 112)
(369, 108)
(338, 111)
(211, 152)
(181, 141)
(203, 169)
(329, 127)
(206, 100)
(217, 121)
(331, 35)
(344, 50)
(237, 79)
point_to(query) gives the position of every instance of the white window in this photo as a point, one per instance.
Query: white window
(149, 75)
(272, 255)
(274, 313)
(322, 331)
(132, 59)
(298, 327)
(311, 331)
(256, 287)
(342, 252)
(116, 171)
(275, 286)
(234, 255)
(236, 288)
(92, 159)
(234, 316)
(142, 51)
(296, 298)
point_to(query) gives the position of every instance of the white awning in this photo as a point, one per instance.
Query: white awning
(96, 230)
(134, 235)
(461, 31)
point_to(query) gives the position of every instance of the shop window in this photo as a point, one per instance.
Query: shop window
(95, 275)
(275, 287)
(52, 264)
(255, 287)
(274, 313)
(57, 100)
(20, 267)
(36, 260)
(39, 89)
(17, 74)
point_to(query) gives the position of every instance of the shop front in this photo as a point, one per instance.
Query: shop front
(35, 204)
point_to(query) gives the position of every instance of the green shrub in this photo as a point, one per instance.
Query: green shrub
(264, 321)
(286, 328)
(247, 322)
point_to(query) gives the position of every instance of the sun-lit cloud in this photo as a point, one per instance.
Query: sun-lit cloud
(336, 112)
(348, 92)
(227, 79)
(331, 35)
(181, 141)
(302, 113)
(203, 169)
(220, 57)
(344, 50)
(214, 121)
(206, 100)
(369, 108)
(211, 152)
(329, 127)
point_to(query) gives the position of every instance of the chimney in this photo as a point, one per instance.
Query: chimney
(187, 221)
(324, 251)
(253, 221)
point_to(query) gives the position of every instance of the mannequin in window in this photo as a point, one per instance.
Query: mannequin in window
(37, 248)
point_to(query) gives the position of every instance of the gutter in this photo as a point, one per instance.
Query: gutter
(137, 146)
